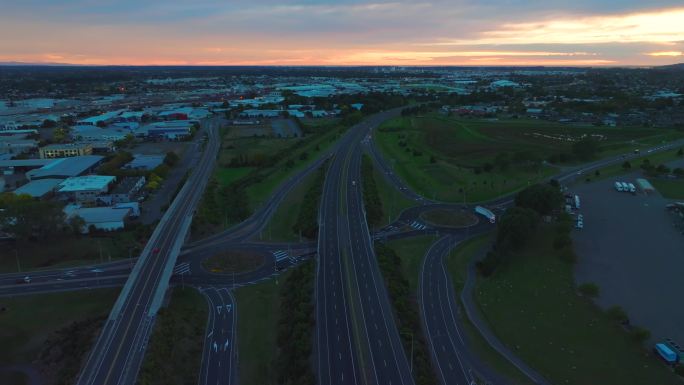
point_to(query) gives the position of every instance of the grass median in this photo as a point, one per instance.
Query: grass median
(174, 353)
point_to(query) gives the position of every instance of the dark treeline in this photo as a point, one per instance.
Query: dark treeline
(295, 327)
(519, 224)
(407, 316)
(371, 197)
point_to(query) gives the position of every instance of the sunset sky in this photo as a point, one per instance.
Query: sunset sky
(344, 32)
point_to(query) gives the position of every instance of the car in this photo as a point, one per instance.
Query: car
(579, 225)
(26, 279)
(155, 250)
(353, 183)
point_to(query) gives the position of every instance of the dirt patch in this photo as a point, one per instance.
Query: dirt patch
(449, 218)
(233, 262)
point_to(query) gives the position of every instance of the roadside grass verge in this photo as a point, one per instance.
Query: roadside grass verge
(69, 250)
(449, 218)
(257, 326)
(532, 305)
(457, 266)
(405, 306)
(279, 227)
(669, 188)
(412, 251)
(393, 201)
(174, 353)
(27, 322)
(618, 169)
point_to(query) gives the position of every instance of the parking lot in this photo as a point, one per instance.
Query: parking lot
(632, 249)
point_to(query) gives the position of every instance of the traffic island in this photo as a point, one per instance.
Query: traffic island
(233, 261)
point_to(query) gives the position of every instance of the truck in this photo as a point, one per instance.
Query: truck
(632, 188)
(618, 186)
(577, 202)
(666, 353)
(486, 213)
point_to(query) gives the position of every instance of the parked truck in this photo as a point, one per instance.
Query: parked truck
(618, 186)
(665, 352)
(486, 213)
(577, 202)
(632, 188)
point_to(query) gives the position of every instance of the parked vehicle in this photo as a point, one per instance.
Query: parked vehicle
(666, 353)
(632, 188)
(618, 186)
(577, 202)
(579, 224)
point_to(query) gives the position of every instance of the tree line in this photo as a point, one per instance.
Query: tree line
(517, 226)
(408, 319)
(371, 196)
(295, 324)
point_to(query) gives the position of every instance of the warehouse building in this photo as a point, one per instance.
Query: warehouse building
(63, 168)
(100, 218)
(85, 188)
(39, 189)
(65, 150)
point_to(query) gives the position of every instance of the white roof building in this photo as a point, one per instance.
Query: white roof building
(97, 183)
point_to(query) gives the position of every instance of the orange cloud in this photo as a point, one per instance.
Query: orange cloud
(666, 53)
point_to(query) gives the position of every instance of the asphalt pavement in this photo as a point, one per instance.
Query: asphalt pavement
(219, 357)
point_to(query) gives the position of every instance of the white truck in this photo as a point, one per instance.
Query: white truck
(632, 188)
(618, 186)
(486, 213)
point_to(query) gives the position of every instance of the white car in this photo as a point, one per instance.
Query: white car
(580, 225)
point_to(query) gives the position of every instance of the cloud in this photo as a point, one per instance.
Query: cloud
(666, 53)
(660, 26)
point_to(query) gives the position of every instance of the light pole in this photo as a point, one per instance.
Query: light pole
(16, 254)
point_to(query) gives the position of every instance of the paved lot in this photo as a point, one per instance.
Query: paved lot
(631, 249)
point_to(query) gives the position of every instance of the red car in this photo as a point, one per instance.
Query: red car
(155, 250)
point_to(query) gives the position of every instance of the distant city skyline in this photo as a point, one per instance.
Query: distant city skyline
(346, 32)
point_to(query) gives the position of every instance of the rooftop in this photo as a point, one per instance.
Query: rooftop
(38, 188)
(84, 183)
(65, 167)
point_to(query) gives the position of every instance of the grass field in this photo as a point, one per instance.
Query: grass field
(457, 265)
(617, 169)
(27, 321)
(440, 156)
(257, 310)
(669, 188)
(531, 304)
(226, 176)
(412, 252)
(279, 228)
(67, 251)
(393, 201)
(233, 261)
(174, 353)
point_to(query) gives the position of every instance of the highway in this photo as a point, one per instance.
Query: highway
(118, 352)
(357, 341)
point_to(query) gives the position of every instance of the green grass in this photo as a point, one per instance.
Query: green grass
(532, 306)
(174, 353)
(617, 169)
(233, 261)
(257, 309)
(279, 228)
(28, 320)
(412, 251)
(669, 188)
(457, 265)
(68, 251)
(226, 176)
(460, 146)
(393, 201)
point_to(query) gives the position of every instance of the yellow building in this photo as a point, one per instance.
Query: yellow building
(66, 150)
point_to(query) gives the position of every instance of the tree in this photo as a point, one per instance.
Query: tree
(76, 224)
(626, 165)
(515, 228)
(171, 159)
(28, 218)
(589, 289)
(48, 123)
(680, 152)
(542, 198)
(585, 149)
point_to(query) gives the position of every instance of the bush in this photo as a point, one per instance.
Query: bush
(589, 289)
(561, 241)
(617, 313)
(640, 334)
(568, 255)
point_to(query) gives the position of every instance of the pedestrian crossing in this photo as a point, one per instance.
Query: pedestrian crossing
(418, 226)
(182, 268)
(281, 255)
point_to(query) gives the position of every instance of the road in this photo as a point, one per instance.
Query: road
(219, 357)
(357, 341)
(118, 352)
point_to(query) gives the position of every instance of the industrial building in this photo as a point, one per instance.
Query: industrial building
(101, 218)
(65, 150)
(85, 188)
(61, 168)
(126, 189)
(40, 189)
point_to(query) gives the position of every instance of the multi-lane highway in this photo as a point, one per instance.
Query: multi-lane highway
(117, 354)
